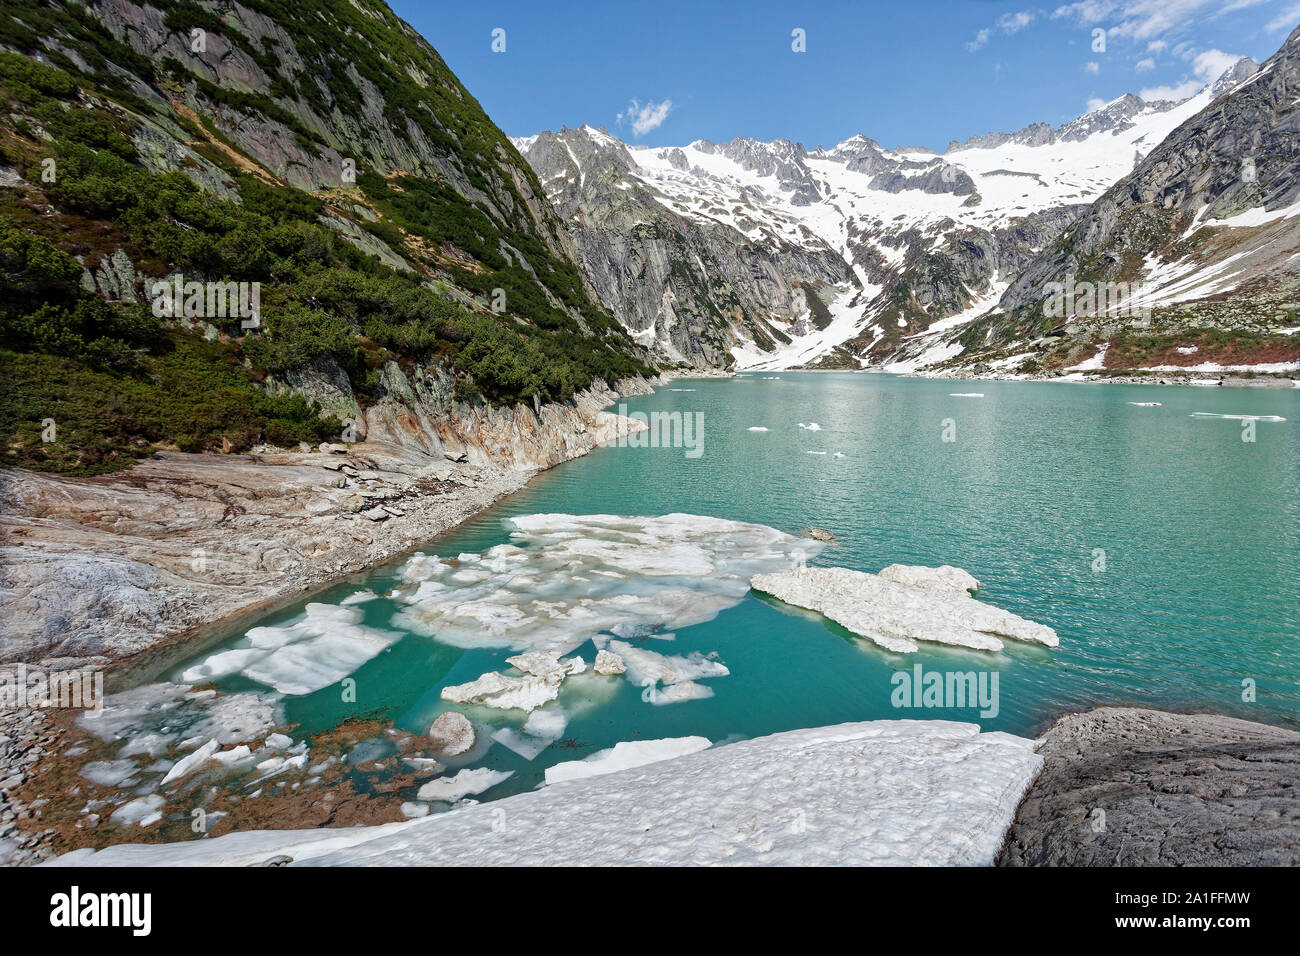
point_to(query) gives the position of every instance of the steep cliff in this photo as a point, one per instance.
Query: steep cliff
(319, 154)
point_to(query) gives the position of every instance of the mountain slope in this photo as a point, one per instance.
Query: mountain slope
(321, 150)
(697, 280)
(931, 242)
(1203, 234)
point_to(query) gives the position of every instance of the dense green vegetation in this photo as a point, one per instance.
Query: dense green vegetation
(118, 379)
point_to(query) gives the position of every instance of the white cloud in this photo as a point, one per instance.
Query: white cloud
(1287, 19)
(1146, 19)
(1212, 64)
(1207, 66)
(1095, 103)
(1143, 65)
(1092, 66)
(1156, 46)
(1011, 23)
(1180, 92)
(645, 118)
(1008, 24)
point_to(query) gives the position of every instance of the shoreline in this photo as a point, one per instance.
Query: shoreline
(490, 486)
(124, 574)
(1108, 786)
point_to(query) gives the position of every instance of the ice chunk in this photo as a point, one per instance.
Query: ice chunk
(187, 765)
(895, 615)
(608, 664)
(541, 729)
(676, 693)
(504, 691)
(452, 733)
(464, 784)
(646, 668)
(146, 811)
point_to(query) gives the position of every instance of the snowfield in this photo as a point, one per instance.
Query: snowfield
(876, 793)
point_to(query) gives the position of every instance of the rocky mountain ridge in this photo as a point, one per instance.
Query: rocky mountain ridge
(932, 242)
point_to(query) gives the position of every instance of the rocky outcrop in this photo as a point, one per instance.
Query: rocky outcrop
(1240, 152)
(692, 285)
(94, 570)
(1129, 787)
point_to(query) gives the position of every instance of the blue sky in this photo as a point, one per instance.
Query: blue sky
(906, 74)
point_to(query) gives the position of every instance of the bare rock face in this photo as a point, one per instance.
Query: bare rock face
(1130, 787)
(452, 733)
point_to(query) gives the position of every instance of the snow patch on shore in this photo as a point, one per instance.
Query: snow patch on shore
(887, 792)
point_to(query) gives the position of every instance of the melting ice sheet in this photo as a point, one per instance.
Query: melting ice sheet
(322, 647)
(567, 578)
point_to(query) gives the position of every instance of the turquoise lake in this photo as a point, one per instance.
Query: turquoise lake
(1200, 530)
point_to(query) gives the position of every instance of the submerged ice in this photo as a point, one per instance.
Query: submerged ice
(326, 644)
(565, 579)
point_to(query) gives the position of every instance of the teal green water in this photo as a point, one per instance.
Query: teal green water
(1201, 534)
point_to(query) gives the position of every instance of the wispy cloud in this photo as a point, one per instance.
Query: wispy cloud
(645, 118)
(1146, 19)
(1143, 65)
(1092, 66)
(1207, 66)
(1287, 19)
(1008, 24)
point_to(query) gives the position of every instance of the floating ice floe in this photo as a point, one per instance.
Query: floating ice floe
(646, 668)
(810, 426)
(542, 728)
(187, 765)
(624, 756)
(885, 792)
(505, 692)
(451, 733)
(608, 664)
(756, 428)
(360, 597)
(1144, 404)
(903, 605)
(1240, 418)
(965, 394)
(580, 576)
(322, 647)
(146, 811)
(464, 784)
